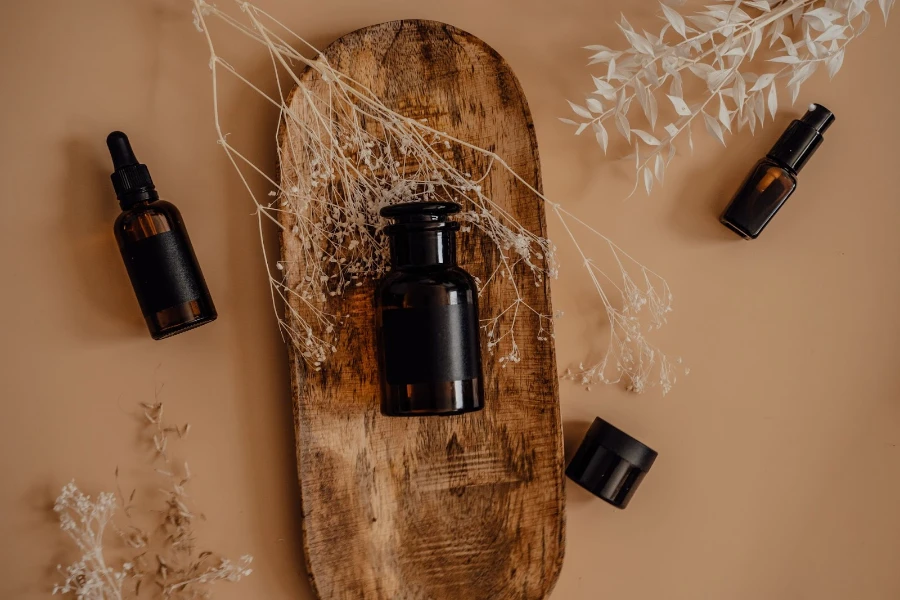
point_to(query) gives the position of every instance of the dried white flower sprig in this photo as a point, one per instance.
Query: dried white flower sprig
(165, 557)
(716, 47)
(359, 155)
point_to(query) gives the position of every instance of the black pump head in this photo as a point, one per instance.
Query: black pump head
(802, 138)
(818, 117)
(131, 179)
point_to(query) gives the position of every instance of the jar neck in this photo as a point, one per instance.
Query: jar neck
(412, 249)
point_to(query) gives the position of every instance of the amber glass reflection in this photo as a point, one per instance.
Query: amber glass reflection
(759, 198)
(145, 220)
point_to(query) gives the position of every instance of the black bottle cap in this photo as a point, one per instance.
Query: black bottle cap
(131, 179)
(802, 137)
(610, 463)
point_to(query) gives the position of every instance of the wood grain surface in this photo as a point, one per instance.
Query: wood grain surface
(463, 507)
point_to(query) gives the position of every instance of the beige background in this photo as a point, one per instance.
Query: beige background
(779, 457)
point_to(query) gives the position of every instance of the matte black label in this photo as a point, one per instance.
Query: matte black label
(430, 344)
(163, 271)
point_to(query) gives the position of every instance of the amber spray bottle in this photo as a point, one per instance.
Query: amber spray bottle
(774, 178)
(426, 310)
(156, 249)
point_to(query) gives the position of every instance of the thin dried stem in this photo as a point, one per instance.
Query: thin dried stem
(358, 155)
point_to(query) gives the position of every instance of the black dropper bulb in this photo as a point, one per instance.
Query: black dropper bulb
(120, 150)
(130, 179)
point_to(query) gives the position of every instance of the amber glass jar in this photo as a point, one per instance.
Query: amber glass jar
(427, 317)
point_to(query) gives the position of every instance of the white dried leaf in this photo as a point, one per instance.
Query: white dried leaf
(759, 105)
(601, 54)
(581, 128)
(834, 63)
(674, 19)
(714, 128)
(855, 9)
(701, 70)
(647, 137)
(773, 100)
(659, 167)
(835, 32)
(803, 73)
(864, 23)
(648, 179)
(718, 78)
(764, 80)
(604, 88)
(637, 41)
(795, 91)
(611, 69)
(580, 110)
(601, 135)
(739, 91)
(568, 121)
(680, 105)
(671, 129)
(885, 6)
(789, 45)
(703, 22)
(810, 45)
(786, 59)
(759, 4)
(594, 105)
(755, 40)
(724, 114)
(824, 14)
(623, 126)
(777, 30)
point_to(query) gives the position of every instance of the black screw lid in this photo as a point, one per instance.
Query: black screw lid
(610, 463)
(802, 137)
(131, 179)
(405, 213)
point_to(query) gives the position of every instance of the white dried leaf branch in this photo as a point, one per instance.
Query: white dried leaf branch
(722, 65)
(358, 156)
(166, 556)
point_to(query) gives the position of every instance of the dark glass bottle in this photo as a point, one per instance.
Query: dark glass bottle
(156, 249)
(427, 317)
(774, 178)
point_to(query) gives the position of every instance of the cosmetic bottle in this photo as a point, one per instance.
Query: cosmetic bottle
(156, 249)
(774, 178)
(426, 310)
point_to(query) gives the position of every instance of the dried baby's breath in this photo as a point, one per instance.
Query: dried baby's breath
(160, 562)
(358, 156)
(709, 55)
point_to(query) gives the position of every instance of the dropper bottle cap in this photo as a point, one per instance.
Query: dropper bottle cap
(802, 137)
(131, 179)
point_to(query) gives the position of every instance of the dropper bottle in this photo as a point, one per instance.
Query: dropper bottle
(774, 178)
(157, 251)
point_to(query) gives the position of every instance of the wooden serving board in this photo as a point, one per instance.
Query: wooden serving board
(462, 507)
